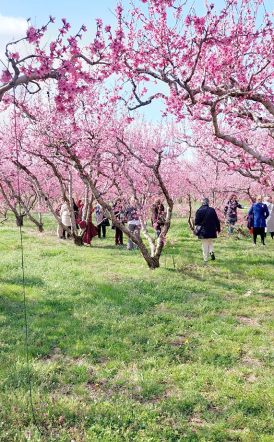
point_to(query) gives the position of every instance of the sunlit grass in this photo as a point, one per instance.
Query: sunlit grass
(122, 353)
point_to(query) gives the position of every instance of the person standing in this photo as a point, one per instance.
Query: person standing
(101, 220)
(90, 230)
(230, 212)
(118, 212)
(76, 212)
(59, 227)
(207, 218)
(270, 220)
(65, 218)
(134, 224)
(158, 216)
(260, 213)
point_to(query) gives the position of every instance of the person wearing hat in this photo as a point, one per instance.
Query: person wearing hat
(206, 217)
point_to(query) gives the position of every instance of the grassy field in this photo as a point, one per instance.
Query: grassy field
(122, 353)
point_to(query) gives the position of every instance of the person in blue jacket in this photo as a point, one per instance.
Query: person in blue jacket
(260, 213)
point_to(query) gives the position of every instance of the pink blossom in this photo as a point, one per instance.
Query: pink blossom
(31, 34)
(14, 55)
(6, 76)
(52, 46)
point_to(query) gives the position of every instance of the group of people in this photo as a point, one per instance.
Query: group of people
(260, 221)
(127, 215)
(90, 229)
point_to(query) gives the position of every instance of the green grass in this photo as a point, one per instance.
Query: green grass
(122, 353)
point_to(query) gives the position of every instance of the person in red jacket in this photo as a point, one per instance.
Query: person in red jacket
(89, 227)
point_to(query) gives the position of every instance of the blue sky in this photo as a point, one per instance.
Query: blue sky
(13, 24)
(77, 12)
(13, 15)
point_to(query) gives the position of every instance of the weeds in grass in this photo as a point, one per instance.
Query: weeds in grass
(120, 353)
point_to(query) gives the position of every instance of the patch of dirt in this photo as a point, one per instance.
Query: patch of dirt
(248, 321)
(252, 378)
(175, 312)
(103, 360)
(267, 298)
(251, 361)
(190, 317)
(216, 409)
(190, 266)
(143, 400)
(95, 387)
(172, 391)
(177, 342)
(266, 292)
(236, 434)
(197, 421)
(55, 355)
(229, 295)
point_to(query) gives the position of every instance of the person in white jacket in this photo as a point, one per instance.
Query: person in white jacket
(65, 218)
(270, 220)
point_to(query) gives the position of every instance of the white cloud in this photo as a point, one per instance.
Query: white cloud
(12, 26)
(11, 29)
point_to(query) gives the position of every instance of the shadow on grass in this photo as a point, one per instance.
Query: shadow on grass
(29, 282)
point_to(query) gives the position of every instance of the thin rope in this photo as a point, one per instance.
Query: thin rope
(23, 266)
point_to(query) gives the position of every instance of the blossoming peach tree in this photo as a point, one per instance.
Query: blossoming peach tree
(217, 67)
(214, 71)
(97, 151)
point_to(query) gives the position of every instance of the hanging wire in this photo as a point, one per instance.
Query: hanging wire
(23, 265)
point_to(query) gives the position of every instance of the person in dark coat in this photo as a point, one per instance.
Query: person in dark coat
(260, 213)
(230, 212)
(119, 213)
(158, 216)
(76, 212)
(207, 218)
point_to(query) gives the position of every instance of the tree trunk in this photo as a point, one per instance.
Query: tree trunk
(78, 240)
(38, 224)
(152, 262)
(19, 220)
(190, 220)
